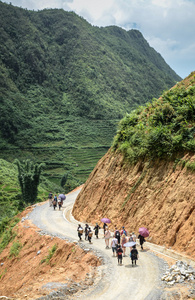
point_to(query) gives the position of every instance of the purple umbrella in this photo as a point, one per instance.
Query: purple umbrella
(144, 231)
(105, 220)
(62, 196)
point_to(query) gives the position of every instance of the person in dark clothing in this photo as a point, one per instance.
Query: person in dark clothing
(59, 203)
(90, 233)
(86, 231)
(141, 240)
(54, 202)
(134, 254)
(104, 227)
(120, 254)
(117, 235)
(80, 232)
(96, 228)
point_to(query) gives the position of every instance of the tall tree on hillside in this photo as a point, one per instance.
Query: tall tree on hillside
(29, 178)
(63, 180)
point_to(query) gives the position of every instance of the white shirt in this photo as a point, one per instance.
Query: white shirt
(114, 242)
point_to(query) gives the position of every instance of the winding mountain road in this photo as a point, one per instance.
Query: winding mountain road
(140, 282)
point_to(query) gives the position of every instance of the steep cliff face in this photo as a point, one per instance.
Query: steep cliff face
(159, 195)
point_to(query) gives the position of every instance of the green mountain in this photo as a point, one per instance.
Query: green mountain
(65, 84)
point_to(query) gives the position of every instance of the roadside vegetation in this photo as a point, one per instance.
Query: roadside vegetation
(50, 255)
(7, 234)
(15, 249)
(164, 128)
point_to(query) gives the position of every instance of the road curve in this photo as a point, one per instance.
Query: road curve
(140, 282)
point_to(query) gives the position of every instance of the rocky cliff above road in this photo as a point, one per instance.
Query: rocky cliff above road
(159, 195)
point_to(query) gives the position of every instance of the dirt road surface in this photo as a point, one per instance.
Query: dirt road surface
(141, 282)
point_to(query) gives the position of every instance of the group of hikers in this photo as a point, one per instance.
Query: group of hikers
(116, 241)
(55, 201)
(88, 232)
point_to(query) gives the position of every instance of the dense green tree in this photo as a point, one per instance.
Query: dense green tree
(29, 179)
(63, 180)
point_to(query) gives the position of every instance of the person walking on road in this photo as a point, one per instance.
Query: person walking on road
(114, 243)
(117, 235)
(54, 202)
(141, 240)
(131, 238)
(134, 254)
(104, 227)
(59, 203)
(107, 237)
(123, 231)
(120, 254)
(123, 241)
(96, 228)
(86, 231)
(80, 232)
(134, 237)
(90, 233)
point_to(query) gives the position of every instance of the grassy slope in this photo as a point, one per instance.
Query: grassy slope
(162, 128)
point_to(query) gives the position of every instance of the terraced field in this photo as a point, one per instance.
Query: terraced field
(74, 148)
(60, 160)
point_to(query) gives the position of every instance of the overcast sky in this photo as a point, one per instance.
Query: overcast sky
(168, 25)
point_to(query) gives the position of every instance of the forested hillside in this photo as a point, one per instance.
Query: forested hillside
(65, 84)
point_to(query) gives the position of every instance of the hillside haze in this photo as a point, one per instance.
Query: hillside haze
(65, 84)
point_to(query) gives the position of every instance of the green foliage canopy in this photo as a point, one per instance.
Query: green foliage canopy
(162, 128)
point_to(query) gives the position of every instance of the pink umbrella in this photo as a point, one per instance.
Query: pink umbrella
(105, 220)
(144, 231)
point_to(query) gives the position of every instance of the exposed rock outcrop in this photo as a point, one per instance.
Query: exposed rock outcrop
(157, 194)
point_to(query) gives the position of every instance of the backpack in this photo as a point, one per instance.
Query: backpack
(117, 233)
(133, 255)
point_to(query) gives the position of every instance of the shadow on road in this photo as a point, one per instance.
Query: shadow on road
(130, 266)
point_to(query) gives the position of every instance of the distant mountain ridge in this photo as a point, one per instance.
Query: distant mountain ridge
(65, 83)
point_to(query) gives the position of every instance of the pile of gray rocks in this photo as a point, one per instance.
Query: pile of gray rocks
(179, 273)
